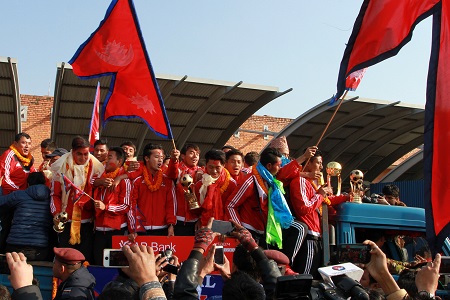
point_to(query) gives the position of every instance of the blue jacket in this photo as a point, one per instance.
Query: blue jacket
(32, 219)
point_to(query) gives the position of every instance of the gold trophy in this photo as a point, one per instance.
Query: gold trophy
(356, 184)
(61, 220)
(334, 169)
(189, 195)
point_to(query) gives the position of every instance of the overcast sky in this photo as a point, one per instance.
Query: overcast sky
(287, 44)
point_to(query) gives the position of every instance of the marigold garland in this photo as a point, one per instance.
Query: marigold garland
(226, 182)
(112, 175)
(25, 160)
(325, 199)
(148, 182)
(260, 180)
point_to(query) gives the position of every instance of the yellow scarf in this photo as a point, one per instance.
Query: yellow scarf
(24, 160)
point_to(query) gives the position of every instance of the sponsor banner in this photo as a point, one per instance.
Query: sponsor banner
(180, 245)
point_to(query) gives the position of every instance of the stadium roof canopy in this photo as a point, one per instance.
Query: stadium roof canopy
(204, 112)
(10, 102)
(366, 134)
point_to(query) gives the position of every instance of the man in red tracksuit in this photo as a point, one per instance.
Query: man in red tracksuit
(16, 164)
(152, 202)
(306, 198)
(216, 186)
(111, 204)
(81, 168)
(181, 163)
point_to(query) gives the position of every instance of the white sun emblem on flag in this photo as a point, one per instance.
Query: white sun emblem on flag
(142, 102)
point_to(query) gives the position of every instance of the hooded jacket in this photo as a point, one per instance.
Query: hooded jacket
(79, 285)
(32, 219)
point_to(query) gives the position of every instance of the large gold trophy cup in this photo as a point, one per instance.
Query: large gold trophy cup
(187, 181)
(334, 169)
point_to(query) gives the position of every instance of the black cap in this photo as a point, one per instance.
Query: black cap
(57, 152)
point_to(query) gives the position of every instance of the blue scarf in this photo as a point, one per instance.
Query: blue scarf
(284, 161)
(281, 210)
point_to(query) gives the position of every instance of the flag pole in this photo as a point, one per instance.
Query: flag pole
(332, 117)
(173, 143)
(86, 195)
(329, 122)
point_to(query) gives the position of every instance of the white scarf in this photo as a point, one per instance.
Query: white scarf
(65, 165)
(207, 180)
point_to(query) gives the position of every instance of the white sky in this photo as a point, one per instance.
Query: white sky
(288, 44)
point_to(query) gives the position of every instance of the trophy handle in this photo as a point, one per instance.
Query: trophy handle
(338, 192)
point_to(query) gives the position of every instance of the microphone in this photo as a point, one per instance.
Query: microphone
(350, 287)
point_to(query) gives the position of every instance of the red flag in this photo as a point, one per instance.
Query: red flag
(353, 80)
(70, 186)
(381, 29)
(117, 48)
(94, 133)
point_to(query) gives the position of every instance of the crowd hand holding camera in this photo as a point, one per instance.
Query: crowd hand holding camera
(167, 264)
(244, 237)
(208, 265)
(204, 237)
(378, 268)
(141, 259)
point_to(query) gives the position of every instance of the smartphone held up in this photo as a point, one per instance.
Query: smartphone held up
(114, 258)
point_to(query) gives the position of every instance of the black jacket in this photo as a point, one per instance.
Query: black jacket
(30, 292)
(187, 278)
(80, 285)
(32, 219)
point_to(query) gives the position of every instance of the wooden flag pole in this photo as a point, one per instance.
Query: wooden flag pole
(329, 122)
(173, 143)
(332, 117)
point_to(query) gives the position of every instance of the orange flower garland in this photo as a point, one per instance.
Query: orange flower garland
(260, 180)
(148, 182)
(25, 160)
(226, 182)
(325, 199)
(112, 175)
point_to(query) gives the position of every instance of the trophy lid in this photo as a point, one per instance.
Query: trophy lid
(334, 168)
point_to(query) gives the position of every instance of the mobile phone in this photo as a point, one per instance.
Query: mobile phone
(354, 253)
(4, 268)
(171, 269)
(222, 227)
(293, 286)
(445, 265)
(114, 258)
(218, 255)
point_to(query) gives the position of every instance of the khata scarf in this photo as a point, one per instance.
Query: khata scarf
(279, 216)
(78, 175)
(211, 195)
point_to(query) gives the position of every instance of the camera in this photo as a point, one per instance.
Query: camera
(168, 253)
(293, 287)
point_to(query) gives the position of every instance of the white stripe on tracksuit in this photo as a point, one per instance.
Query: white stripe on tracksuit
(298, 242)
(309, 257)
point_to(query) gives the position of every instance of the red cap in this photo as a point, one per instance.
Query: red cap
(68, 256)
(279, 257)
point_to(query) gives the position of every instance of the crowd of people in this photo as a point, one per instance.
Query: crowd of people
(77, 199)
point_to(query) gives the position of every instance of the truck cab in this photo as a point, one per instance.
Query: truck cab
(403, 228)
